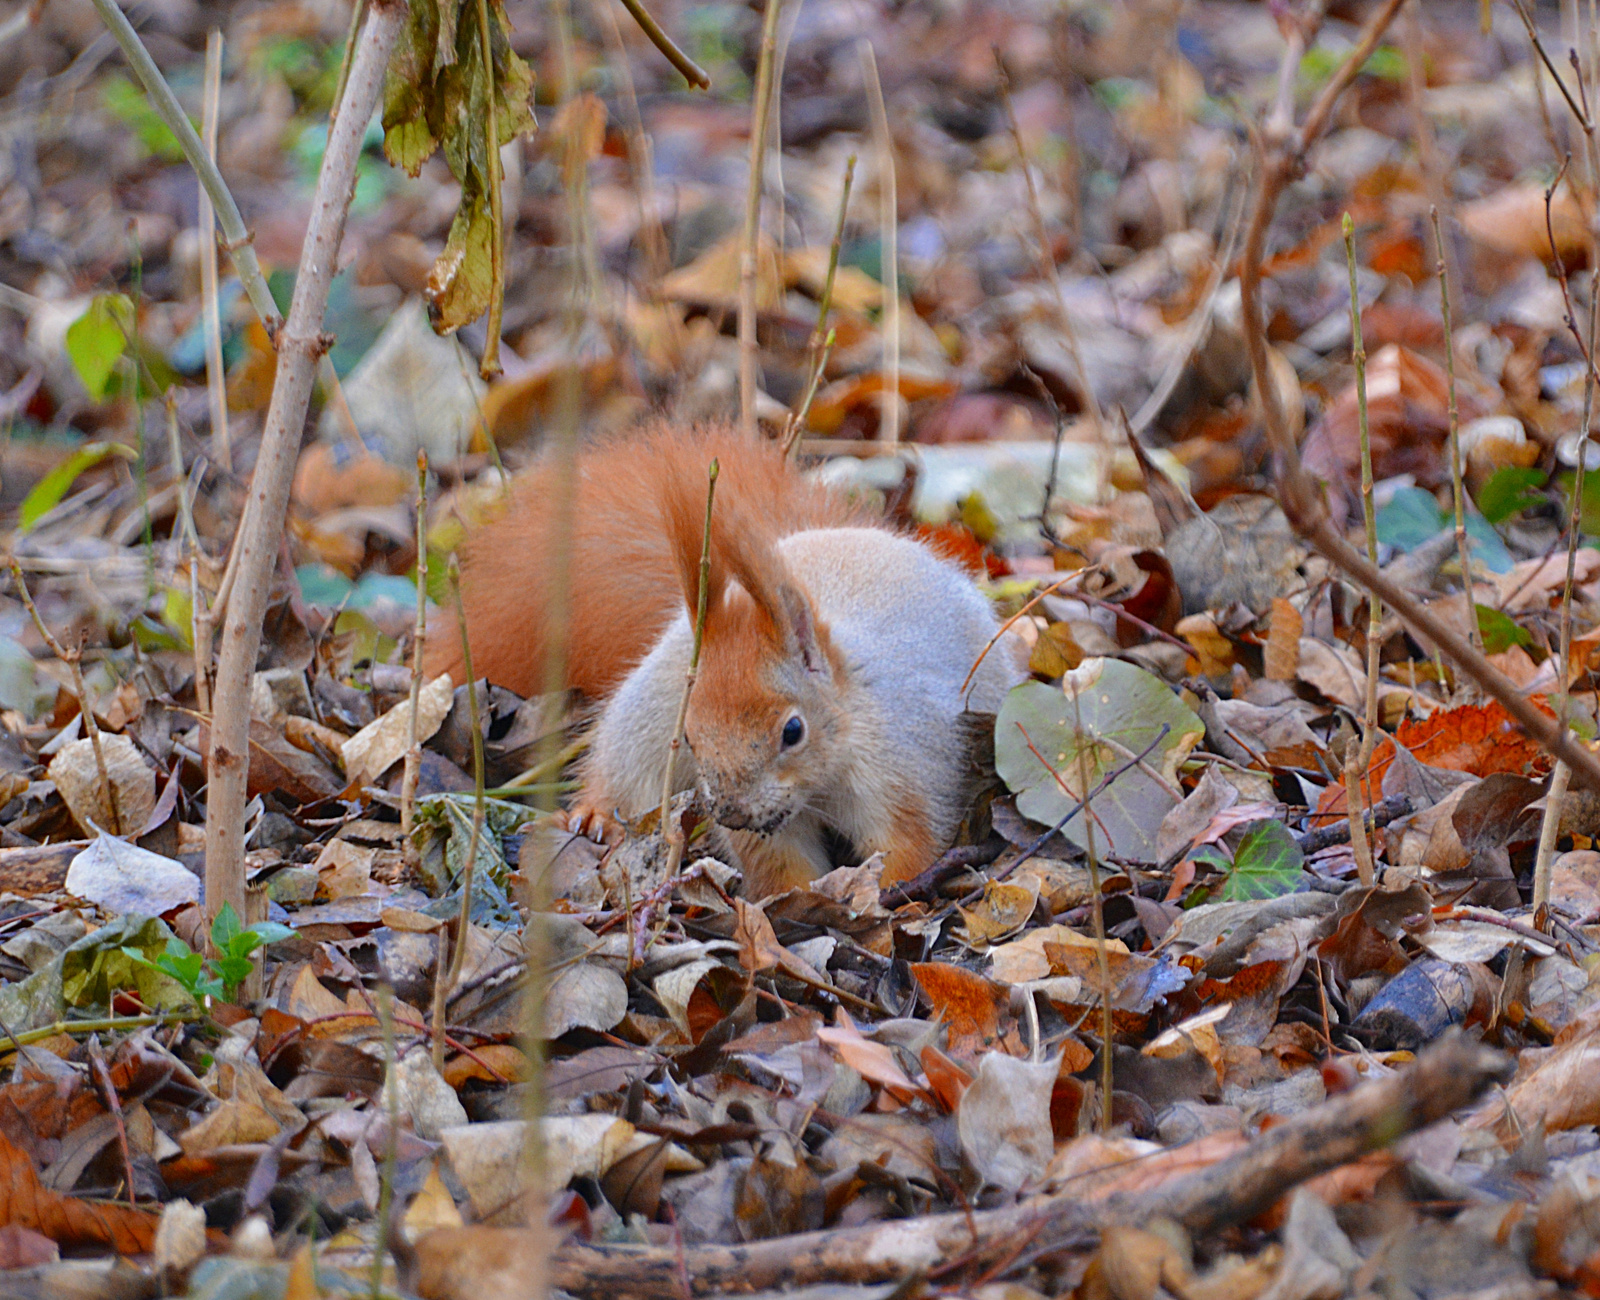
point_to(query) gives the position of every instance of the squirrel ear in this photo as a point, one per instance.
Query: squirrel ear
(802, 638)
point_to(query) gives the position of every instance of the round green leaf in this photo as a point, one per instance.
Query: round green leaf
(1049, 744)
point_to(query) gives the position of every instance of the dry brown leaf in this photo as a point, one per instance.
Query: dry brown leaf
(1282, 653)
(77, 776)
(26, 1202)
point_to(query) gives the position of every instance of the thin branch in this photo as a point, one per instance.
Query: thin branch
(177, 121)
(413, 761)
(1457, 489)
(301, 343)
(1069, 332)
(216, 376)
(692, 72)
(464, 926)
(675, 838)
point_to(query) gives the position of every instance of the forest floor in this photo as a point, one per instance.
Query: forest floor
(1349, 1054)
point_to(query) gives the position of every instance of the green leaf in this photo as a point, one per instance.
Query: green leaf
(97, 340)
(1267, 864)
(270, 932)
(225, 928)
(1498, 631)
(47, 493)
(1121, 710)
(128, 103)
(1509, 491)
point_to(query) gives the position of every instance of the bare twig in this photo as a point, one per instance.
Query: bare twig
(458, 953)
(1096, 909)
(199, 615)
(750, 245)
(888, 245)
(74, 661)
(177, 121)
(300, 344)
(692, 72)
(1555, 799)
(1284, 154)
(216, 377)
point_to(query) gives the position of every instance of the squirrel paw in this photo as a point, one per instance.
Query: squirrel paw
(586, 819)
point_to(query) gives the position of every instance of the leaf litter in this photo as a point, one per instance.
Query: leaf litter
(259, 1109)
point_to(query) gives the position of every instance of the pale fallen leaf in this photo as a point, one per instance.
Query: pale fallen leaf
(124, 879)
(1004, 1120)
(381, 744)
(77, 776)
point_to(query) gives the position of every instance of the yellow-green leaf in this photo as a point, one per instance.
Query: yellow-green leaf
(48, 491)
(97, 340)
(461, 280)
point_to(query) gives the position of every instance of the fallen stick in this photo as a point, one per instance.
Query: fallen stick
(1447, 1076)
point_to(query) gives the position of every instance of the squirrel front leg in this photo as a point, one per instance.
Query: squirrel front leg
(630, 742)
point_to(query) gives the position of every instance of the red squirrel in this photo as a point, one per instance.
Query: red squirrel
(829, 699)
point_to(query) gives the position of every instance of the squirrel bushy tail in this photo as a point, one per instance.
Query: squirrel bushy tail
(634, 554)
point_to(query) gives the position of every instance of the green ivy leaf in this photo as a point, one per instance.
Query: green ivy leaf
(98, 339)
(1509, 491)
(1267, 864)
(1498, 631)
(47, 493)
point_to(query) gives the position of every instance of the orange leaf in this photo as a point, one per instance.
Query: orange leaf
(28, 1203)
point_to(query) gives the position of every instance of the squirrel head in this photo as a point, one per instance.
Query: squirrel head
(766, 718)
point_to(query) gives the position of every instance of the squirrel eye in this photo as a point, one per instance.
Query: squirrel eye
(794, 732)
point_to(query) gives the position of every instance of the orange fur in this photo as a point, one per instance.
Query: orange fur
(639, 510)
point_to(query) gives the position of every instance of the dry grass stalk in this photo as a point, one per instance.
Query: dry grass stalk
(674, 836)
(821, 341)
(199, 614)
(1283, 152)
(73, 659)
(413, 760)
(750, 244)
(1097, 911)
(443, 981)
(216, 377)
(1358, 757)
(301, 344)
(1555, 799)
(889, 246)
(1457, 490)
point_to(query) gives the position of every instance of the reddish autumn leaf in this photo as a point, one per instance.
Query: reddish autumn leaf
(28, 1203)
(974, 1009)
